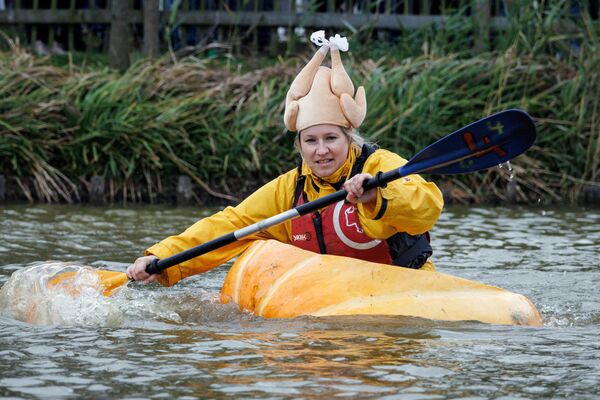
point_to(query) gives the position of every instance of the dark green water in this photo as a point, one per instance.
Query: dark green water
(152, 342)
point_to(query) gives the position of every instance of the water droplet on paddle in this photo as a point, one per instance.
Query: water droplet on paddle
(509, 169)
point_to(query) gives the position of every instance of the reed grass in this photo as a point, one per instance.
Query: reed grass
(220, 121)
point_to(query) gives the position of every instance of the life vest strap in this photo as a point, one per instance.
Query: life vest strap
(405, 250)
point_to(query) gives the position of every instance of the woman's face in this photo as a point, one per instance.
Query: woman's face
(324, 148)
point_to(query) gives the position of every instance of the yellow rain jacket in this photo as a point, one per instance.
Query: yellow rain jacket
(413, 206)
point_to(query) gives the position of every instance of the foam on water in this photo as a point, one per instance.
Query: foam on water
(29, 296)
(26, 296)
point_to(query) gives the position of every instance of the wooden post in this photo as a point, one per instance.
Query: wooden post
(119, 34)
(591, 195)
(255, 33)
(151, 28)
(509, 6)
(34, 30)
(52, 30)
(426, 7)
(97, 190)
(183, 29)
(184, 191)
(2, 188)
(286, 7)
(481, 13)
(71, 29)
(89, 36)
(21, 31)
(330, 6)
(511, 191)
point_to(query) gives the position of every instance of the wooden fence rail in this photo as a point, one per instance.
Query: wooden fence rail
(103, 25)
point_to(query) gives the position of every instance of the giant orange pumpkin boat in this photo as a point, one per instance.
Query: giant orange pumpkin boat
(276, 280)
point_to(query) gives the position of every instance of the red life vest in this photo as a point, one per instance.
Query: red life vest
(336, 230)
(341, 234)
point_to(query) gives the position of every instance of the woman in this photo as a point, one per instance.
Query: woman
(386, 225)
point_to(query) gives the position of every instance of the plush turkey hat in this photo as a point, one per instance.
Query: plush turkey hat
(322, 95)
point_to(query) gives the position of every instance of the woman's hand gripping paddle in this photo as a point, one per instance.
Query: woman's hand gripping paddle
(486, 143)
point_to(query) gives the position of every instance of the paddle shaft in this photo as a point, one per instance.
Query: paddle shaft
(461, 151)
(159, 265)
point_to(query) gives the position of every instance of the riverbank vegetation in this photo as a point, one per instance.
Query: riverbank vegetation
(217, 118)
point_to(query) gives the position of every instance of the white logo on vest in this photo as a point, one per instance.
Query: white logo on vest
(345, 239)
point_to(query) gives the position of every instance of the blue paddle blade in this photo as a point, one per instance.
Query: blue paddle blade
(486, 143)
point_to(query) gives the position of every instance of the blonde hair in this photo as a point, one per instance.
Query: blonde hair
(355, 137)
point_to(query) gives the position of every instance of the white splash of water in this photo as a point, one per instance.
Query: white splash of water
(26, 296)
(78, 301)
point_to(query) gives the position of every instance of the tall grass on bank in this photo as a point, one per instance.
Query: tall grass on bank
(140, 129)
(220, 122)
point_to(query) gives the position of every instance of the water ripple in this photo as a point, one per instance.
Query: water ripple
(180, 342)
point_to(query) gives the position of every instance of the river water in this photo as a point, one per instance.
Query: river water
(153, 342)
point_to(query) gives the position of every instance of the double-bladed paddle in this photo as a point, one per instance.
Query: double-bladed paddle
(488, 142)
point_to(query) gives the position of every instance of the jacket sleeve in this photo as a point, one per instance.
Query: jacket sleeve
(408, 204)
(271, 199)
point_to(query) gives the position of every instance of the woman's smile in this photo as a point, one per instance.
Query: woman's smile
(325, 161)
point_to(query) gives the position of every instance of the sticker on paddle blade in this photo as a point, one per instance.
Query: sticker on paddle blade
(483, 144)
